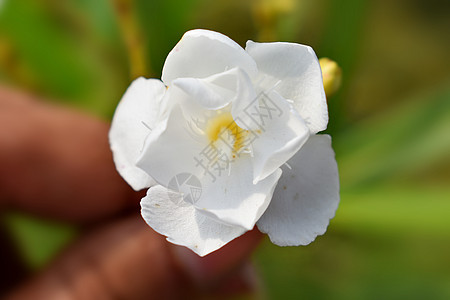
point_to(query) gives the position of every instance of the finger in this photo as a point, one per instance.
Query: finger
(120, 261)
(209, 271)
(56, 162)
(130, 261)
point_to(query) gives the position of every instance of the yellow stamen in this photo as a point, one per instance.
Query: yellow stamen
(222, 126)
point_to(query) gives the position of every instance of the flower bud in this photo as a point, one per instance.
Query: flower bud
(332, 75)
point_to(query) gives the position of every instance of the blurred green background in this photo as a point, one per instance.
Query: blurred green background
(390, 122)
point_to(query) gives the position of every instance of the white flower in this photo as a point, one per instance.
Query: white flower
(211, 137)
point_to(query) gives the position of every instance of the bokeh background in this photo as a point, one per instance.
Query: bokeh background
(390, 122)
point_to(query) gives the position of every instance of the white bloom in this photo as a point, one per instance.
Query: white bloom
(211, 137)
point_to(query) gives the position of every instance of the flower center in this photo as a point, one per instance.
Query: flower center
(225, 128)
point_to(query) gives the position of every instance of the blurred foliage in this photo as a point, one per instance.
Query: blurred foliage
(390, 121)
(38, 240)
(69, 50)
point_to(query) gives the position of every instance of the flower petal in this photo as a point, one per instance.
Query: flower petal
(184, 225)
(136, 113)
(294, 71)
(283, 132)
(306, 197)
(162, 156)
(213, 92)
(206, 94)
(233, 198)
(245, 102)
(202, 53)
(200, 96)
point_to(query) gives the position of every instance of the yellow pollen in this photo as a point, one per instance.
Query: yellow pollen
(223, 125)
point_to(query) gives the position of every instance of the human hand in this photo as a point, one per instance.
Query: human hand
(56, 163)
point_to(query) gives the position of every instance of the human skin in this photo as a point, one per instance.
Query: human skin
(56, 163)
